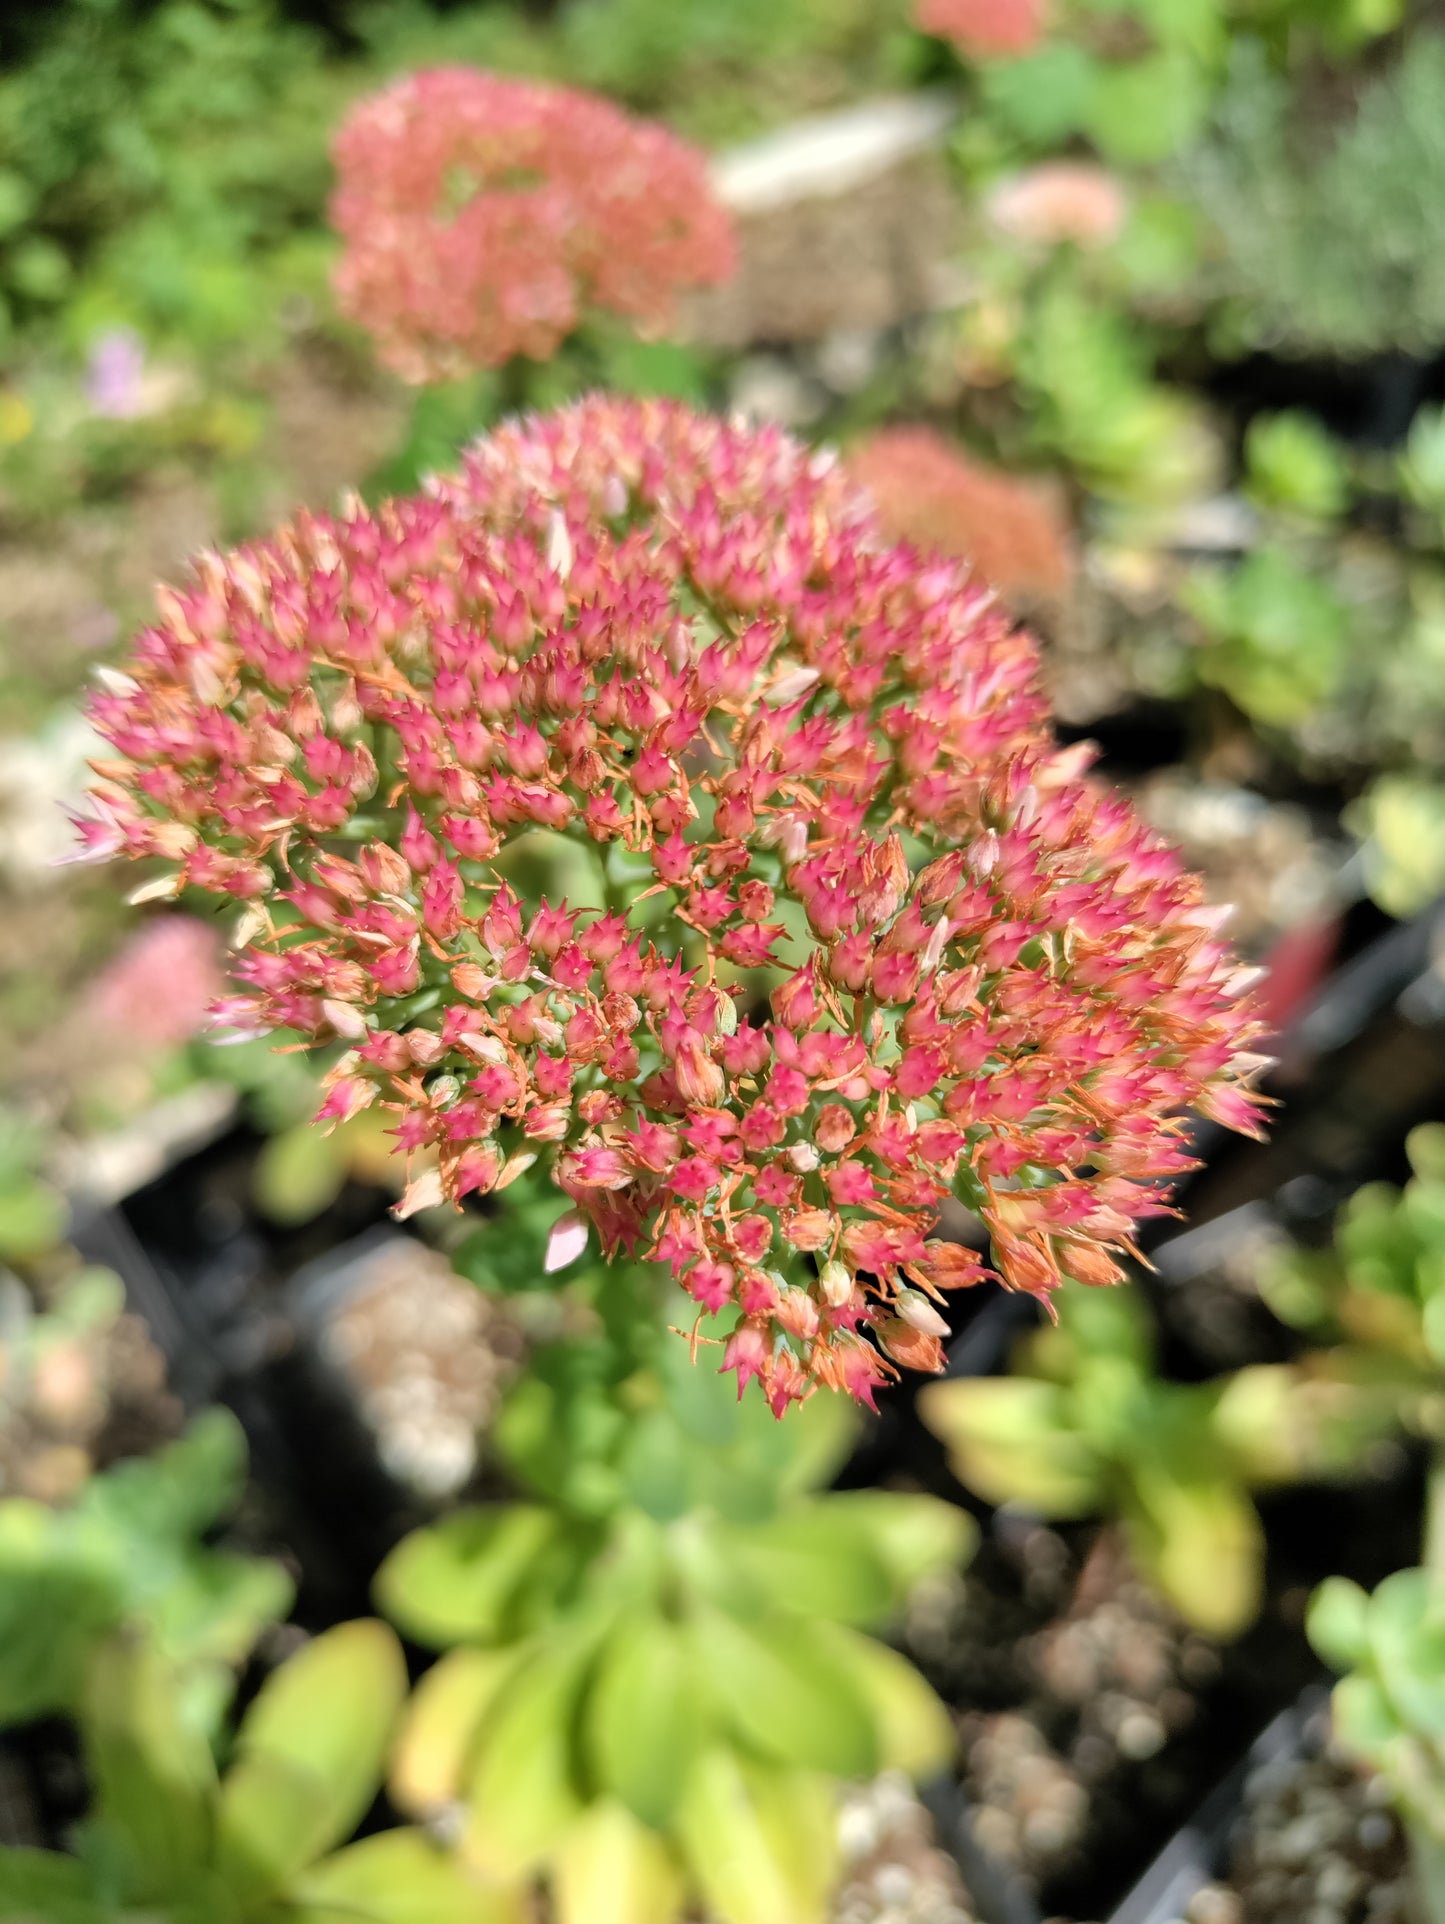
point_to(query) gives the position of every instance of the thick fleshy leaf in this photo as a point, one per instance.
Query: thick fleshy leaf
(1010, 1439)
(453, 1581)
(299, 1172)
(913, 1535)
(783, 1692)
(760, 1841)
(430, 1760)
(399, 1877)
(611, 1869)
(1338, 1622)
(1407, 1647)
(153, 1773)
(1202, 1544)
(1364, 1719)
(43, 1887)
(813, 1559)
(643, 1720)
(915, 1732)
(310, 1754)
(523, 1794)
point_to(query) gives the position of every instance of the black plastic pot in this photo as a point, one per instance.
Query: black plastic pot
(1198, 1852)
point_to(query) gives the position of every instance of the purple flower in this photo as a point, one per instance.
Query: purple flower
(114, 373)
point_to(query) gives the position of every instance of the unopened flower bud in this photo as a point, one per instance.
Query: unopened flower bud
(835, 1284)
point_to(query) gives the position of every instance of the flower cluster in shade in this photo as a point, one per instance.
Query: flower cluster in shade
(928, 492)
(984, 29)
(481, 216)
(873, 937)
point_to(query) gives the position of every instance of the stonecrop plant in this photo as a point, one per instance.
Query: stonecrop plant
(859, 934)
(482, 216)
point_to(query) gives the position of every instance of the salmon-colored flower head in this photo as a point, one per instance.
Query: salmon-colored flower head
(933, 495)
(862, 935)
(1058, 201)
(483, 215)
(984, 29)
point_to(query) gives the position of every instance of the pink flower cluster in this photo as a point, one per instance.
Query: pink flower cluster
(1058, 201)
(933, 495)
(984, 29)
(160, 987)
(791, 749)
(481, 215)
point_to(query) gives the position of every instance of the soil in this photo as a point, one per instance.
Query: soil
(894, 1871)
(1316, 1842)
(1091, 1718)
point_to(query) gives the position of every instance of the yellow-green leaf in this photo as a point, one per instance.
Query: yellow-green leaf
(760, 1841)
(1202, 1544)
(441, 1726)
(153, 1772)
(452, 1582)
(310, 1754)
(643, 1722)
(523, 1794)
(1010, 1439)
(400, 1877)
(784, 1692)
(915, 1732)
(610, 1869)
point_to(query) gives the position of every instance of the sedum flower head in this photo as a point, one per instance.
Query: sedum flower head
(481, 215)
(984, 29)
(684, 646)
(928, 492)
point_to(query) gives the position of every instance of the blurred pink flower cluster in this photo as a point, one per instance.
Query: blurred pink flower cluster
(927, 492)
(158, 988)
(1057, 201)
(483, 215)
(685, 645)
(984, 29)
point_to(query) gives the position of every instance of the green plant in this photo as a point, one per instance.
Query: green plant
(1377, 1295)
(129, 1554)
(1086, 1427)
(1324, 241)
(1402, 820)
(1292, 464)
(1389, 1711)
(169, 1836)
(655, 1664)
(32, 1211)
(1273, 636)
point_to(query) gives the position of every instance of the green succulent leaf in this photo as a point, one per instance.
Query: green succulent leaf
(801, 1706)
(43, 1887)
(914, 1729)
(524, 1795)
(399, 1877)
(310, 1754)
(1201, 1542)
(458, 1581)
(1338, 1623)
(1012, 1440)
(611, 1869)
(1364, 1720)
(442, 1725)
(643, 1723)
(154, 1775)
(760, 1841)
